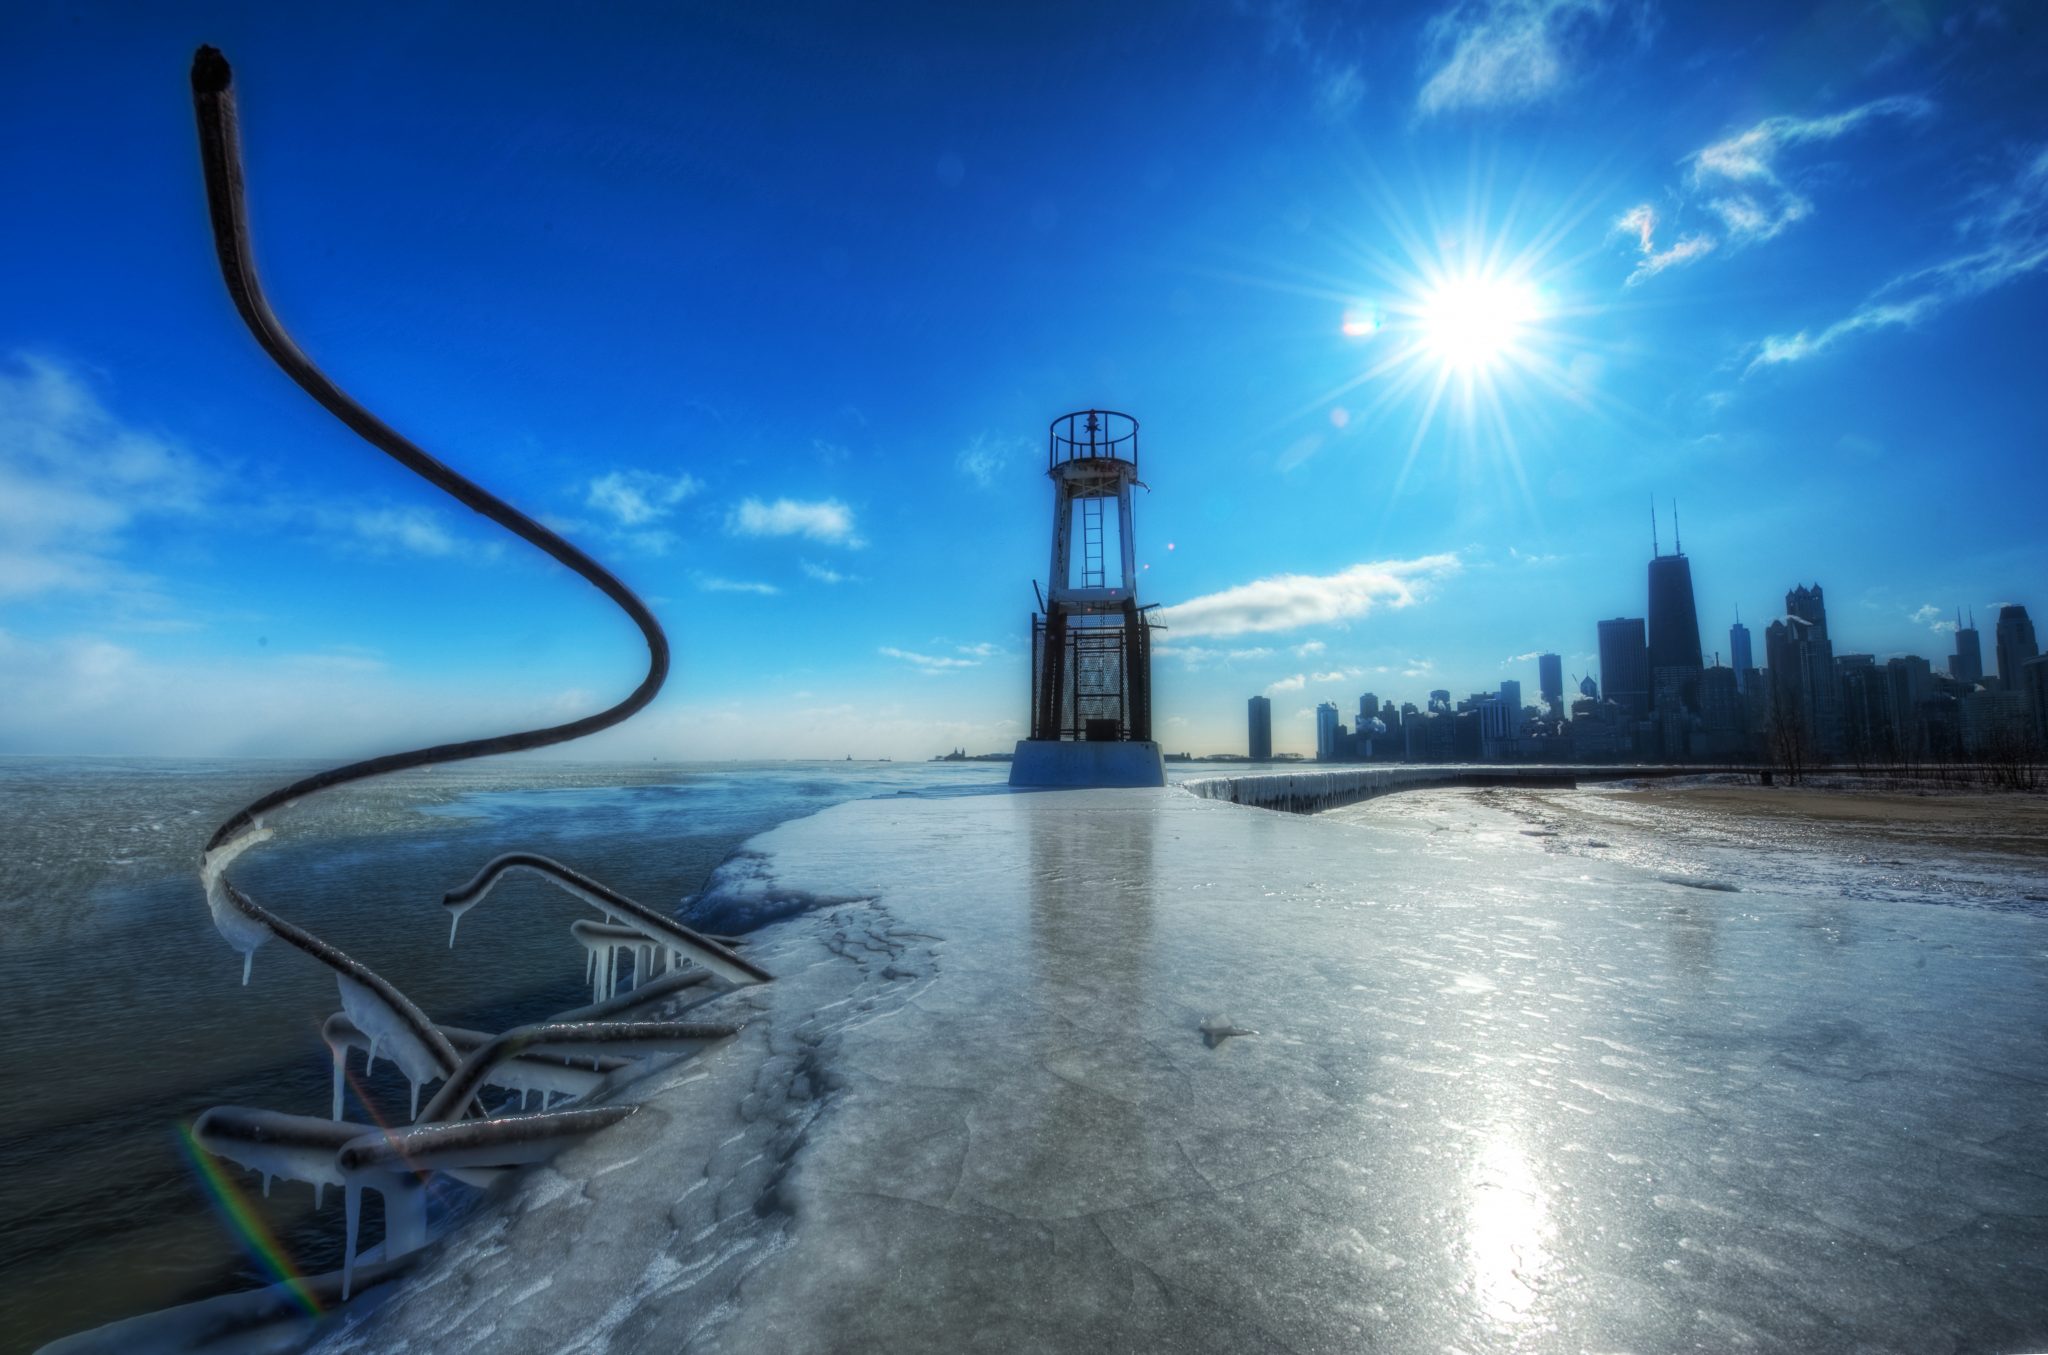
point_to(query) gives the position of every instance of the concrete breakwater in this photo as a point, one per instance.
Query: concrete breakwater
(1311, 792)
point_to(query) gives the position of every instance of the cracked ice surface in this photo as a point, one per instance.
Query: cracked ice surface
(1498, 1099)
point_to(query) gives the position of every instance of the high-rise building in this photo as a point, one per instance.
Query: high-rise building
(1550, 682)
(1911, 679)
(1625, 665)
(1867, 719)
(1674, 639)
(1440, 701)
(1967, 663)
(1805, 695)
(1260, 710)
(1368, 710)
(1326, 732)
(2034, 684)
(1808, 606)
(1511, 697)
(1739, 654)
(2015, 640)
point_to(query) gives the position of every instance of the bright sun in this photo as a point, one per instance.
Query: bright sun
(1472, 323)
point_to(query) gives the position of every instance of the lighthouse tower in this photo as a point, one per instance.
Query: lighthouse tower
(1091, 652)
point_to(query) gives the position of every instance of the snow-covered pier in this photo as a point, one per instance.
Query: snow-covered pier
(1143, 1070)
(1309, 792)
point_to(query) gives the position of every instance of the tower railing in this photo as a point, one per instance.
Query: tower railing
(1091, 434)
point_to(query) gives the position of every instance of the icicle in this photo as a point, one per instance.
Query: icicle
(415, 1100)
(352, 1206)
(370, 1064)
(454, 921)
(248, 963)
(525, 1098)
(340, 1053)
(267, 1179)
(319, 1193)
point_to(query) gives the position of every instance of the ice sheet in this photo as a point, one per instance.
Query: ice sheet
(1498, 1098)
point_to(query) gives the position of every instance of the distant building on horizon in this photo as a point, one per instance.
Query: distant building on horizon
(2016, 645)
(1550, 683)
(1260, 710)
(1327, 726)
(1805, 695)
(1739, 656)
(1967, 663)
(1625, 665)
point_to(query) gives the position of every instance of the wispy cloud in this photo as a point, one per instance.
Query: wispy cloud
(1196, 655)
(826, 574)
(1639, 224)
(1500, 53)
(414, 531)
(1308, 647)
(712, 583)
(1290, 601)
(634, 498)
(1745, 182)
(927, 663)
(2005, 236)
(1287, 684)
(74, 479)
(984, 650)
(826, 520)
(1336, 83)
(1749, 184)
(984, 459)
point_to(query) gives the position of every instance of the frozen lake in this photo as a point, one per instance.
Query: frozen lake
(1500, 1097)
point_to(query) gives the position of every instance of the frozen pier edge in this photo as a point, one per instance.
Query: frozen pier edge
(1496, 1098)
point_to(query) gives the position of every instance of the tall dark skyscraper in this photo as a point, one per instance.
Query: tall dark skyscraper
(1674, 625)
(1550, 681)
(2015, 639)
(1261, 712)
(1967, 663)
(1808, 605)
(1625, 665)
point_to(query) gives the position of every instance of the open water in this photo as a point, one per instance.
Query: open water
(124, 1016)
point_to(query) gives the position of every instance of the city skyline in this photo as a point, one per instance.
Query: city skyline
(1417, 309)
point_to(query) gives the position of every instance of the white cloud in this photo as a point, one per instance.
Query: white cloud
(1290, 601)
(927, 663)
(1743, 181)
(415, 530)
(984, 459)
(712, 583)
(1337, 675)
(984, 650)
(74, 479)
(1308, 647)
(1927, 614)
(1491, 53)
(635, 498)
(1750, 190)
(1639, 224)
(826, 520)
(826, 574)
(2006, 237)
(1287, 684)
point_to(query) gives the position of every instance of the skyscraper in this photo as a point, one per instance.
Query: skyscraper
(1326, 732)
(1674, 625)
(1738, 653)
(1967, 663)
(2015, 639)
(1511, 697)
(1808, 606)
(1261, 712)
(1625, 665)
(1550, 682)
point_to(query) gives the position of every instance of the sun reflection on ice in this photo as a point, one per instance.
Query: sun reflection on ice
(1508, 1233)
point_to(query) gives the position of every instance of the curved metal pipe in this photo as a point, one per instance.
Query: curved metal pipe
(606, 1036)
(220, 154)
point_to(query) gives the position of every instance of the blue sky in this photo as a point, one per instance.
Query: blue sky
(772, 309)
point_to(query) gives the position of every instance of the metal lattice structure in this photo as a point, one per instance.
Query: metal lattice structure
(1091, 650)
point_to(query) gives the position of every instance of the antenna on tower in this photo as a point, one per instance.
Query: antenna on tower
(1653, 526)
(1677, 543)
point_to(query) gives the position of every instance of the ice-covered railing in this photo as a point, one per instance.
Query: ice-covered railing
(573, 1056)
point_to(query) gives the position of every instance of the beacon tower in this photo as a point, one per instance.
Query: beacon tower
(1091, 650)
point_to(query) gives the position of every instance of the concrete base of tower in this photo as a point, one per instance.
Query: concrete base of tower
(1050, 762)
